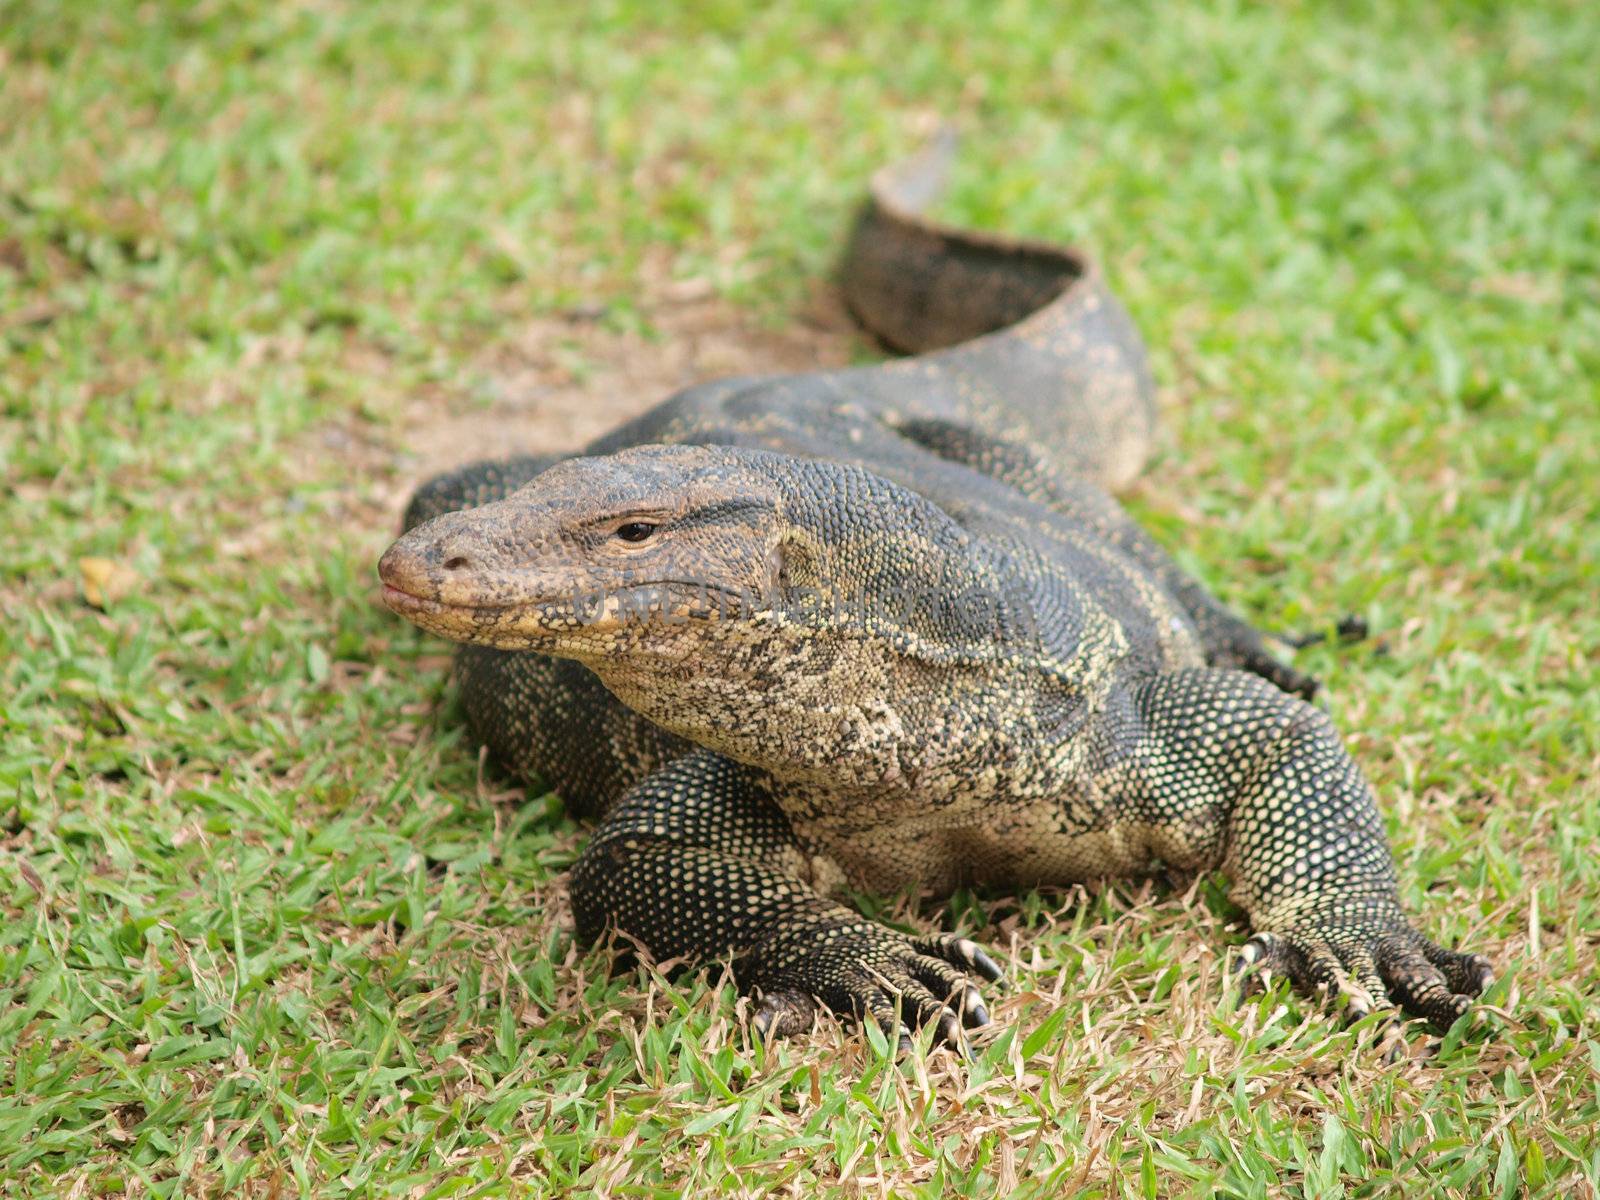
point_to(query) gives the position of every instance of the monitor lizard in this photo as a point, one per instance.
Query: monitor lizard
(885, 627)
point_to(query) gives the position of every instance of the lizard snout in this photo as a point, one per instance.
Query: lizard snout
(402, 570)
(444, 560)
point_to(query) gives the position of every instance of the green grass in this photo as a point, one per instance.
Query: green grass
(266, 925)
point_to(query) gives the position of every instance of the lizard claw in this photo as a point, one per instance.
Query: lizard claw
(903, 984)
(1373, 967)
(963, 952)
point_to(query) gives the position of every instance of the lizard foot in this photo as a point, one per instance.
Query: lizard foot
(1287, 678)
(867, 971)
(1375, 966)
(1351, 628)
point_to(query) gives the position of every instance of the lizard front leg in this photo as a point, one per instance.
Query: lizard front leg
(698, 862)
(1259, 782)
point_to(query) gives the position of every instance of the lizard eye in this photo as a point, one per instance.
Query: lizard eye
(635, 531)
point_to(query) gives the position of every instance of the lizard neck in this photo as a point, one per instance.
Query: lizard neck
(842, 706)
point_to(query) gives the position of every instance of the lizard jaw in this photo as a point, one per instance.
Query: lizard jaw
(406, 604)
(552, 626)
(482, 624)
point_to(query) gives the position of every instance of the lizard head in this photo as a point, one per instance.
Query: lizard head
(596, 557)
(797, 614)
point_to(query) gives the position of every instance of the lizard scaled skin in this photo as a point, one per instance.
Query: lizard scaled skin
(885, 627)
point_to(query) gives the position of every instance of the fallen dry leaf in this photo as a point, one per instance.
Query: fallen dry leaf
(105, 581)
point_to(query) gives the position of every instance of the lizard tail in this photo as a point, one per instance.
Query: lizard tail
(1038, 347)
(919, 285)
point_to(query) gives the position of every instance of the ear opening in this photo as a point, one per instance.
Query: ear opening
(795, 562)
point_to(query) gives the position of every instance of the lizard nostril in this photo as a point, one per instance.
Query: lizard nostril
(456, 563)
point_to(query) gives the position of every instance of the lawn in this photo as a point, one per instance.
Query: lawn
(268, 924)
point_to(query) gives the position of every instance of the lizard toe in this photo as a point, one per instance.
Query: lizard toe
(920, 1006)
(944, 979)
(901, 1007)
(1345, 975)
(1423, 989)
(1260, 959)
(1467, 974)
(872, 973)
(962, 952)
(1361, 986)
(784, 1013)
(877, 1004)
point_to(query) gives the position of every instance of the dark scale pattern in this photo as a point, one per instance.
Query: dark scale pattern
(884, 628)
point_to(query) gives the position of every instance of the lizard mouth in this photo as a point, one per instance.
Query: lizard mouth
(477, 624)
(559, 624)
(409, 604)
(405, 603)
